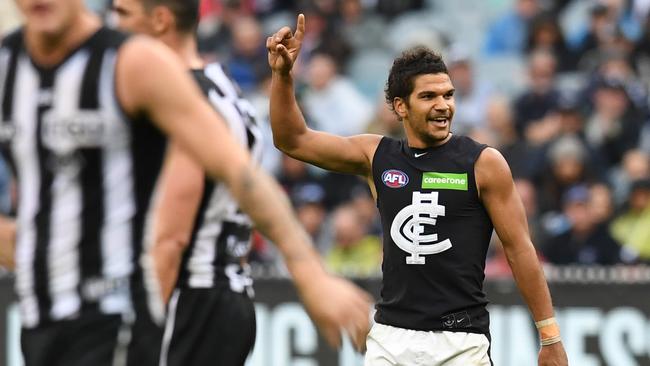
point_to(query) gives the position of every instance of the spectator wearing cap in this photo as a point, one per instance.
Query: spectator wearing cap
(614, 125)
(632, 227)
(570, 114)
(568, 164)
(586, 241)
(308, 200)
(617, 65)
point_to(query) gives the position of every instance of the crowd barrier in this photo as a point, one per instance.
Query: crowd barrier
(604, 316)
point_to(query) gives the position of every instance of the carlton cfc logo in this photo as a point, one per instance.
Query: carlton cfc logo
(395, 178)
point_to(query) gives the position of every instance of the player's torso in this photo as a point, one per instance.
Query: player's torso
(85, 173)
(221, 238)
(436, 232)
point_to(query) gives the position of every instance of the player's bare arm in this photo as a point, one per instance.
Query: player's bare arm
(181, 186)
(167, 94)
(498, 193)
(7, 242)
(351, 155)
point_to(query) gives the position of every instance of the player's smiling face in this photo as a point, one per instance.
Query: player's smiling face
(429, 110)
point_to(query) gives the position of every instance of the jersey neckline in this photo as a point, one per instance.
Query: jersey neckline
(418, 152)
(53, 68)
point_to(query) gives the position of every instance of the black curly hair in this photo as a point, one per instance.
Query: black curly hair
(186, 12)
(411, 63)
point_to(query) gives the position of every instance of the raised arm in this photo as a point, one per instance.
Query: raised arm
(351, 155)
(181, 187)
(151, 80)
(497, 191)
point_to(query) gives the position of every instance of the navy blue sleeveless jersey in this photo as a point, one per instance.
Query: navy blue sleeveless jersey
(436, 236)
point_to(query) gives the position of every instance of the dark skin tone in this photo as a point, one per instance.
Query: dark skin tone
(427, 115)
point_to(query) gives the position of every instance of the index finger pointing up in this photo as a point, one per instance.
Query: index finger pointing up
(300, 27)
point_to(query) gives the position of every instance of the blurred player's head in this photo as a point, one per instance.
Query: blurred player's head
(421, 93)
(157, 17)
(51, 18)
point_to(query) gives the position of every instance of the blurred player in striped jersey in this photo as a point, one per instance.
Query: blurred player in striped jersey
(82, 110)
(202, 238)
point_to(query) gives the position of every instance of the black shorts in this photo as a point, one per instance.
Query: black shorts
(94, 339)
(213, 326)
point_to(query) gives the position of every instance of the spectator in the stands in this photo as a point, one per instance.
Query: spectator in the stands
(309, 202)
(635, 165)
(632, 227)
(601, 204)
(614, 125)
(528, 194)
(218, 18)
(541, 97)
(567, 166)
(546, 35)
(331, 100)
(294, 174)
(471, 95)
(361, 28)
(641, 53)
(385, 121)
(508, 34)
(354, 252)
(586, 241)
(605, 35)
(247, 63)
(523, 159)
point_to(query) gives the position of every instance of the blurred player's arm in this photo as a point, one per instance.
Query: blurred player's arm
(498, 193)
(181, 188)
(351, 155)
(7, 242)
(151, 80)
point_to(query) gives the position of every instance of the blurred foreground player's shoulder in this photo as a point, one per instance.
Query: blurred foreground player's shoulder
(144, 65)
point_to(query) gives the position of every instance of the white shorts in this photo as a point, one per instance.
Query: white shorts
(392, 346)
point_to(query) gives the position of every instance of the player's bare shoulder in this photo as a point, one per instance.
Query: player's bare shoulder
(140, 63)
(368, 143)
(491, 170)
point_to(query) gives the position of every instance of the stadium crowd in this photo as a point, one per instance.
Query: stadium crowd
(559, 87)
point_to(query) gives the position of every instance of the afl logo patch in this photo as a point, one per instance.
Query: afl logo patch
(394, 178)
